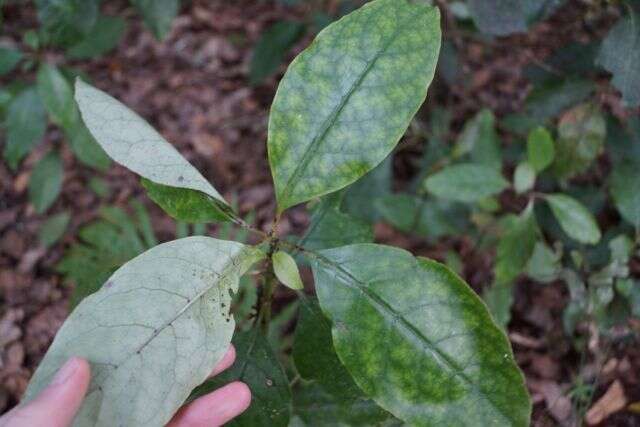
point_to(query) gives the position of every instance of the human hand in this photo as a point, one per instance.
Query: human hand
(58, 403)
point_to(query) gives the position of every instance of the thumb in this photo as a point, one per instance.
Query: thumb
(57, 404)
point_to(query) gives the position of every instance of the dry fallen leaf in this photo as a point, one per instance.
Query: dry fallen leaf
(612, 401)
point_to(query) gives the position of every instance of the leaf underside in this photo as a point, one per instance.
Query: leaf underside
(153, 332)
(346, 100)
(418, 340)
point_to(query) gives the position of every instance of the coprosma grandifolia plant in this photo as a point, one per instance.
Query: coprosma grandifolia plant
(412, 335)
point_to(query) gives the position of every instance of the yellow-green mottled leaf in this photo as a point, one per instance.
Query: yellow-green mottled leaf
(418, 340)
(346, 101)
(152, 333)
(286, 270)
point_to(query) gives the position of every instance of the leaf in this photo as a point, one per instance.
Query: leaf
(330, 227)
(46, 182)
(65, 22)
(516, 246)
(620, 55)
(574, 218)
(466, 182)
(9, 59)
(103, 38)
(624, 185)
(480, 140)
(362, 194)
(499, 300)
(257, 366)
(158, 14)
(271, 47)
(544, 265)
(85, 148)
(53, 228)
(132, 142)
(192, 206)
(318, 408)
(286, 270)
(346, 101)
(524, 178)
(540, 149)
(427, 217)
(56, 95)
(26, 124)
(392, 312)
(581, 135)
(153, 332)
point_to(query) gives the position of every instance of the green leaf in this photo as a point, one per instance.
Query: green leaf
(286, 270)
(53, 228)
(624, 186)
(158, 14)
(46, 182)
(65, 22)
(574, 218)
(392, 312)
(175, 296)
(26, 124)
(330, 227)
(620, 56)
(427, 217)
(85, 148)
(516, 246)
(524, 177)
(9, 59)
(544, 265)
(56, 95)
(103, 38)
(257, 366)
(480, 140)
(361, 195)
(466, 182)
(191, 206)
(581, 135)
(132, 142)
(540, 149)
(346, 101)
(499, 300)
(271, 47)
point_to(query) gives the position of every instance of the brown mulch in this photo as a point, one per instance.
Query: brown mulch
(193, 88)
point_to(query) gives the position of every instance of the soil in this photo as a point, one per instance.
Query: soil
(193, 88)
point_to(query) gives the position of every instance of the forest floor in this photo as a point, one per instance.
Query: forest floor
(193, 88)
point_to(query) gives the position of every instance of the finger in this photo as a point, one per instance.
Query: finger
(214, 409)
(226, 362)
(57, 404)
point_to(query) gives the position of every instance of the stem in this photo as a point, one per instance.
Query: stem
(270, 281)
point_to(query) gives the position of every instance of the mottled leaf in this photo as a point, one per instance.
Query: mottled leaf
(271, 47)
(345, 102)
(286, 270)
(524, 177)
(540, 149)
(574, 218)
(53, 228)
(466, 182)
(620, 55)
(104, 36)
(392, 312)
(46, 181)
(153, 332)
(257, 366)
(191, 206)
(158, 14)
(25, 125)
(132, 142)
(625, 190)
(516, 246)
(581, 135)
(9, 59)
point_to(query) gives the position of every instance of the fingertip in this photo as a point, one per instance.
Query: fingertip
(242, 393)
(226, 361)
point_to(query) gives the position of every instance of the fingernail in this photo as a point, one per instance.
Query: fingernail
(65, 372)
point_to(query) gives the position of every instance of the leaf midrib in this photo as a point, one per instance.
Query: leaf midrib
(387, 311)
